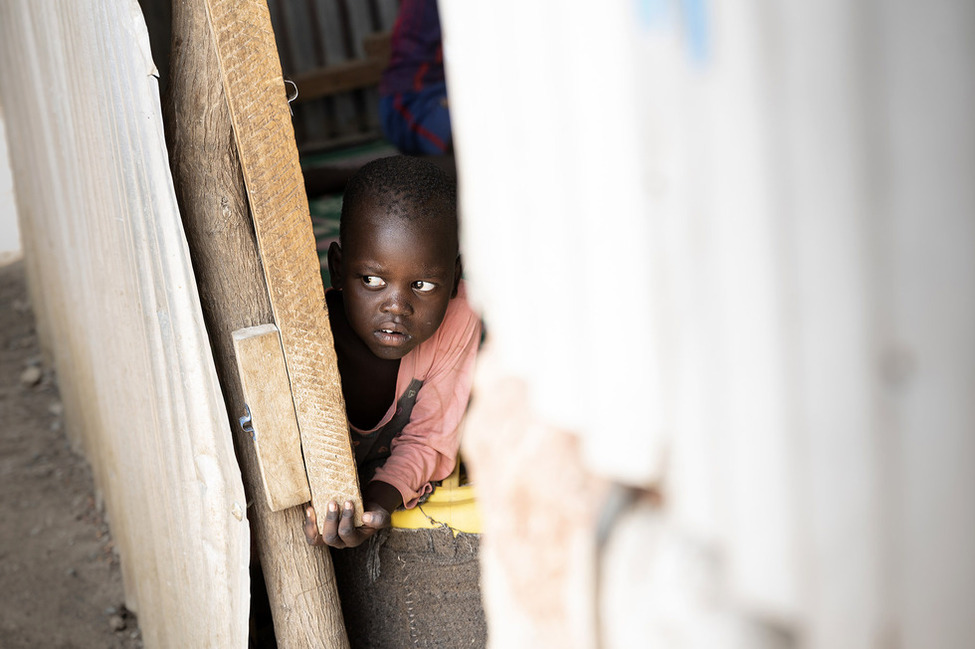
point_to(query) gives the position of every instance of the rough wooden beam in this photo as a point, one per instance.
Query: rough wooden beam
(265, 139)
(271, 415)
(300, 581)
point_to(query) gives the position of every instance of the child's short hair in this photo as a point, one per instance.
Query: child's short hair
(403, 186)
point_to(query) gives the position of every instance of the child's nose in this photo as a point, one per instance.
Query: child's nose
(397, 303)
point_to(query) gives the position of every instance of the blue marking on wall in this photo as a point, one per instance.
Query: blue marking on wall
(655, 13)
(697, 32)
(691, 17)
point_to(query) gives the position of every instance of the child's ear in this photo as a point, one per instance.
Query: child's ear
(335, 265)
(458, 270)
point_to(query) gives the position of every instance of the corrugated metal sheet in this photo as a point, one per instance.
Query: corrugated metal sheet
(113, 288)
(316, 33)
(739, 265)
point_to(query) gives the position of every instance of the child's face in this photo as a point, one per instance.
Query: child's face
(397, 277)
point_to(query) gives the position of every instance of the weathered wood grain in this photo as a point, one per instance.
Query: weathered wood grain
(272, 174)
(300, 581)
(267, 393)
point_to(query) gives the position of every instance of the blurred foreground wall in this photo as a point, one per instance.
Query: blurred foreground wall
(10, 246)
(119, 314)
(726, 257)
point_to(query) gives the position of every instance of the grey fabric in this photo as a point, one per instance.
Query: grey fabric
(412, 588)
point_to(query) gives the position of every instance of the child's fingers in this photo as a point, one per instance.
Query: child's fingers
(339, 530)
(330, 531)
(311, 526)
(347, 524)
(376, 519)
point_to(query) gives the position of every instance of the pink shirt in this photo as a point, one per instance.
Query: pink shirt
(426, 449)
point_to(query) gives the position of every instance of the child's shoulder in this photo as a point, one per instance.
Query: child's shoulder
(459, 311)
(454, 343)
(460, 323)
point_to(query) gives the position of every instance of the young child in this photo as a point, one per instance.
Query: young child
(405, 338)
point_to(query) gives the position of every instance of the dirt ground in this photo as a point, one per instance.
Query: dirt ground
(60, 583)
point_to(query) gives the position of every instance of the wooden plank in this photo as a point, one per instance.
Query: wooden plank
(347, 75)
(300, 582)
(340, 77)
(267, 394)
(122, 314)
(378, 46)
(272, 174)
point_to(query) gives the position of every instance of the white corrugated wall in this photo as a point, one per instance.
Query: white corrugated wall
(732, 247)
(117, 306)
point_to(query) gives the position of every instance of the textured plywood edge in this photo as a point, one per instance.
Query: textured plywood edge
(267, 393)
(269, 159)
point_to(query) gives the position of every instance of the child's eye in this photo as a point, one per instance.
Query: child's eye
(423, 287)
(373, 282)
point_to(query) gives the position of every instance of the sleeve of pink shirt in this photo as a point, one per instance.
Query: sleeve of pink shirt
(426, 450)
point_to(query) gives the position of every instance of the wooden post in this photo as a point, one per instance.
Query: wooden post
(209, 185)
(254, 87)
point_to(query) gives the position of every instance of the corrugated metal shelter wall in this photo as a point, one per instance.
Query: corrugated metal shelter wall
(119, 314)
(739, 267)
(317, 33)
(10, 246)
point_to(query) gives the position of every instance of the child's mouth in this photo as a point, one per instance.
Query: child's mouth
(392, 337)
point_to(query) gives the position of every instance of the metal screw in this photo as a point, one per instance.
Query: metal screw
(247, 424)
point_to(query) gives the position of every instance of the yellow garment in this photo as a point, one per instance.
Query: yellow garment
(451, 504)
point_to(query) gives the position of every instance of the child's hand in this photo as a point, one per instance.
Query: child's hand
(341, 532)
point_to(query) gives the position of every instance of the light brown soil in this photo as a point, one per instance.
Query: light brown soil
(60, 583)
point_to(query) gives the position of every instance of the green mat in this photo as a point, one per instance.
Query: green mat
(350, 156)
(325, 213)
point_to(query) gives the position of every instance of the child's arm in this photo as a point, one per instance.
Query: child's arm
(426, 449)
(379, 500)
